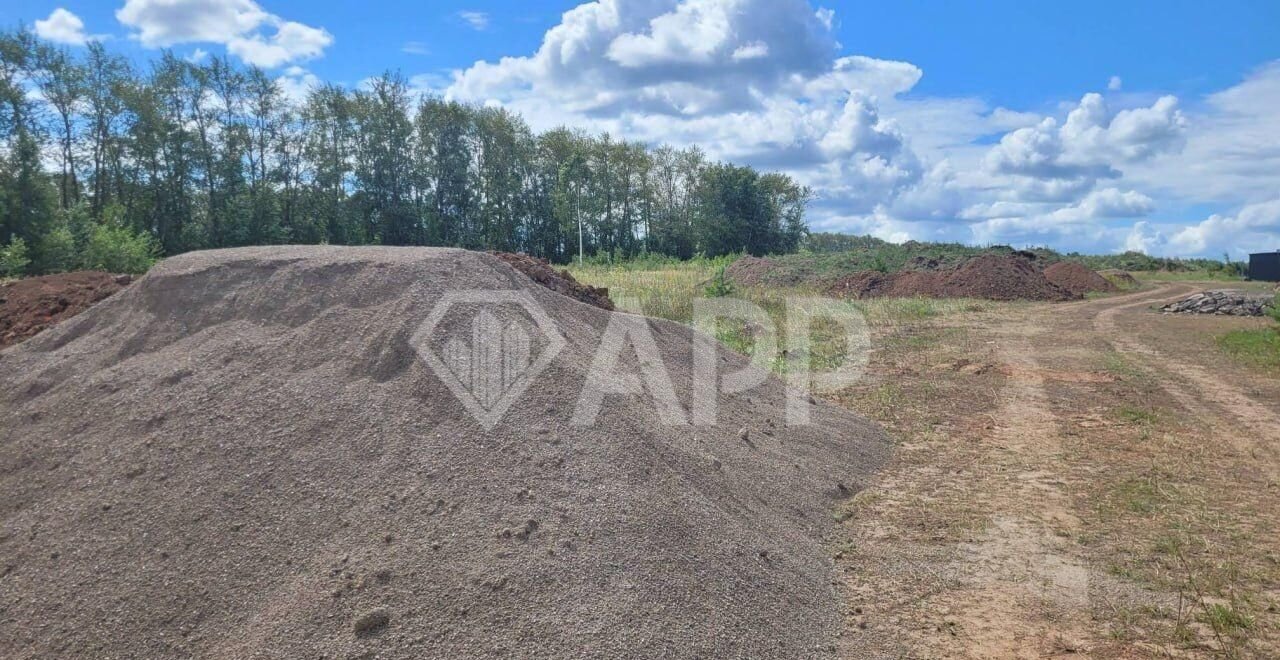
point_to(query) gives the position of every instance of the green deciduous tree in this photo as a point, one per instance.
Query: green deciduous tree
(181, 156)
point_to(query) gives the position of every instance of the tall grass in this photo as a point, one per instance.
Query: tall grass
(665, 288)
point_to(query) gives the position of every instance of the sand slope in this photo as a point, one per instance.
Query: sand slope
(241, 455)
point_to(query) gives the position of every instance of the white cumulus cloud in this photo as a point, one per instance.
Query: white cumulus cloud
(64, 27)
(247, 30)
(764, 82)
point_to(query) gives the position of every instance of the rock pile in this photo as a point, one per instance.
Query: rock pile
(1226, 302)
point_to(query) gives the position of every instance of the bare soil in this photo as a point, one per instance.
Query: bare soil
(753, 271)
(1084, 479)
(1077, 279)
(29, 306)
(988, 276)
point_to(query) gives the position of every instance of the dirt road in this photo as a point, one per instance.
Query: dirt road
(1073, 478)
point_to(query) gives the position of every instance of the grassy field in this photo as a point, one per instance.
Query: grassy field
(667, 290)
(1053, 490)
(1193, 276)
(1258, 348)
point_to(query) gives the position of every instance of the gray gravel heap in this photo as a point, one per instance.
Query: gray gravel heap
(1227, 302)
(242, 456)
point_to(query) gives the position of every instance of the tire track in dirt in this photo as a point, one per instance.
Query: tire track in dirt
(1205, 395)
(1030, 592)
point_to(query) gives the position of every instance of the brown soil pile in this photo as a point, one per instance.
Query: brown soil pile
(1077, 279)
(29, 306)
(560, 281)
(750, 271)
(244, 454)
(1120, 278)
(989, 276)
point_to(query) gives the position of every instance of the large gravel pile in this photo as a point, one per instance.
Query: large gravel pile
(242, 455)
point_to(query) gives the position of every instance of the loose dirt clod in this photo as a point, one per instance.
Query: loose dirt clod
(1077, 279)
(372, 623)
(31, 305)
(307, 427)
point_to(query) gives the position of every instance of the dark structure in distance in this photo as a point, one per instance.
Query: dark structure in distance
(1265, 266)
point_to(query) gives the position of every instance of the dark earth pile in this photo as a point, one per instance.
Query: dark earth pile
(989, 276)
(243, 455)
(1077, 279)
(1224, 302)
(560, 281)
(29, 306)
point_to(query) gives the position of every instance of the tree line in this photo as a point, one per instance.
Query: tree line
(106, 165)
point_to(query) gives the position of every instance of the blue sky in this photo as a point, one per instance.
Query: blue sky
(1096, 126)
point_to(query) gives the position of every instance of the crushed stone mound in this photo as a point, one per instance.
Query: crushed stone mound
(243, 455)
(1077, 279)
(989, 276)
(29, 306)
(560, 281)
(1223, 302)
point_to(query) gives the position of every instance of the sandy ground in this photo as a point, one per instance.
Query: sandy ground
(1083, 478)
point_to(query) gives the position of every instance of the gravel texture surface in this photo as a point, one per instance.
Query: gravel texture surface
(244, 455)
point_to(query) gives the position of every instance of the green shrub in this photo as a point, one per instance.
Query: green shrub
(13, 259)
(119, 250)
(57, 253)
(720, 285)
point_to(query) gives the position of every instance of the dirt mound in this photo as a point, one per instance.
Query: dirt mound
(865, 284)
(750, 271)
(997, 277)
(1122, 279)
(1077, 279)
(989, 276)
(560, 281)
(245, 454)
(29, 306)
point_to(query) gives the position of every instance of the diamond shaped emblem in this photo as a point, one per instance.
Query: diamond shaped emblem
(489, 362)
